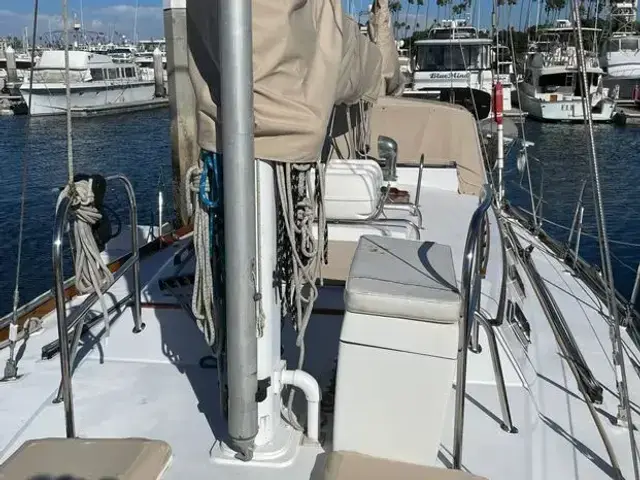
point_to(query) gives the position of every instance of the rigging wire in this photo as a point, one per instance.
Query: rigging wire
(587, 234)
(65, 23)
(616, 339)
(91, 269)
(11, 366)
(33, 49)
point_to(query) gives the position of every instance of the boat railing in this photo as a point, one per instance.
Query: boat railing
(472, 271)
(75, 321)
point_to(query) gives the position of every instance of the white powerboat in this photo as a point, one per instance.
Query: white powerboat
(551, 85)
(95, 81)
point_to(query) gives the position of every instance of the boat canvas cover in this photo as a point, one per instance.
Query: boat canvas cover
(381, 33)
(307, 57)
(54, 60)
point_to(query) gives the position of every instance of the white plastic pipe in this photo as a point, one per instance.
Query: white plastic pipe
(311, 390)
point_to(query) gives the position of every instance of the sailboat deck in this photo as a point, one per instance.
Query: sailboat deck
(152, 384)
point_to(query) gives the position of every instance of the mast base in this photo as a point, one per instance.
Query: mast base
(280, 452)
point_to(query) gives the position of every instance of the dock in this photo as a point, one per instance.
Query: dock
(515, 114)
(114, 109)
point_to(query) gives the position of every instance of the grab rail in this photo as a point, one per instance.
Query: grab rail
(76, 319)
(470, 293)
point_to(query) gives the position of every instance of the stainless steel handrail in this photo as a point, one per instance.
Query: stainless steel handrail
(507, 422)
(411, 208)
(133, 215)
(374, 217)
(485, 232)
(381, 222)
(133, 262)
(470, 293)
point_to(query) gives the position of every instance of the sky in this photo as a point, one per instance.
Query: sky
(108, 16)
(105, 16)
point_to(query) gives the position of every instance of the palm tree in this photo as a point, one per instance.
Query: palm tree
(416, 25)
(406, 14)
(426, 16)
(394, 8)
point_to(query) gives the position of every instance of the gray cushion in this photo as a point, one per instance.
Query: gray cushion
(401, 278)
(88, 459)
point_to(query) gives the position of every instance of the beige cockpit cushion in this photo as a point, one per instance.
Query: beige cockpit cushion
(355, 466)
(88, 459)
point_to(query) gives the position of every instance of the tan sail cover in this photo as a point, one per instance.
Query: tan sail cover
(361, 60)
(381, 33)
(306, 58)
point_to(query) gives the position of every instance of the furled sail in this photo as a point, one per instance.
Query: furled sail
(380, 32)
(307, 57)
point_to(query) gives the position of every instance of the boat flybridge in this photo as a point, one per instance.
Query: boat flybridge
(388, 284)
(455, 65)
(552, 83)
(620, 49)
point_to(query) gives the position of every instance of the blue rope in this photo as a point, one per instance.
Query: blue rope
(210, 171)
(211, 195)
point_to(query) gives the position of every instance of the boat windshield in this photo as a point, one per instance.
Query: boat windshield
(623, 43)
(448, 57)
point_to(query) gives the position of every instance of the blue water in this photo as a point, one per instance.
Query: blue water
(563, 153)
(137, 145)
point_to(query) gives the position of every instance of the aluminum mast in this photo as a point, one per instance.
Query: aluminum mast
(239, 212)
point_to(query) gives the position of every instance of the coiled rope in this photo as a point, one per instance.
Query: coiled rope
(197, 184)
(307, 252)
(92, 274)
(91, 271)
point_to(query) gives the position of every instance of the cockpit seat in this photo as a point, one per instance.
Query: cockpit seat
(355, 466)
(88, 459)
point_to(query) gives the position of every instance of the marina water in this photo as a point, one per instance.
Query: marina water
(138, 145)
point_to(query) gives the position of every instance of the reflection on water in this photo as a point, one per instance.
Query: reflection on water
(136, 145)
(563, 154)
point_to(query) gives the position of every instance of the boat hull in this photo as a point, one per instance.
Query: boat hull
(626, 84)
(565, 110)
(51, 100)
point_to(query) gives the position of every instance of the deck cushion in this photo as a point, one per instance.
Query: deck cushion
(355, 466)
(88, 459)
(401, 278)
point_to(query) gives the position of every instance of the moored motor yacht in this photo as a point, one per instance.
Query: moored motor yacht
(95, 81)
(552, 83)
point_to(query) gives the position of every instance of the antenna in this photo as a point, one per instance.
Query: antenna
(84, 40)
(135, 24)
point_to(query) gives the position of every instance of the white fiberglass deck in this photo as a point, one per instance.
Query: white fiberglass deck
(152, 384)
